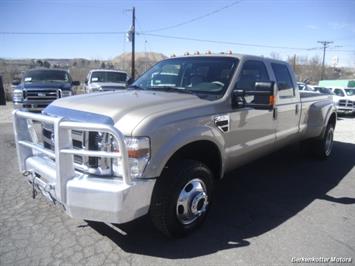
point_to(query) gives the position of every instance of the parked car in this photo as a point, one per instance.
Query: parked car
(105, 80)
(303, 87)
(344, 99)
(322, 90)
(161, 149)
(40, 87)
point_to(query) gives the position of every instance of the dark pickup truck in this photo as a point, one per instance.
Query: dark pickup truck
(39, 87)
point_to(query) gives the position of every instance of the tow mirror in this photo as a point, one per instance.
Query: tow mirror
(262, 97)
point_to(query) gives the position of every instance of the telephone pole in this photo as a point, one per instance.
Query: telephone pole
(325, 46)
(133, 32)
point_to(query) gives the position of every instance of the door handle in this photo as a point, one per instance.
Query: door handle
(296, 110)
(275, 113)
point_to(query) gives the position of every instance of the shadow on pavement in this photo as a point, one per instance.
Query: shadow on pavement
(249, 202)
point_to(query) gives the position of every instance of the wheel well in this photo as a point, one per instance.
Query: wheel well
(332, 119)
(203, 151)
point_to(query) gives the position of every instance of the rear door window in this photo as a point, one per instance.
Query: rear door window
(284, 80)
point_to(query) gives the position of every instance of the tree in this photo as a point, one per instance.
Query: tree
(103, 65)
(46, 64)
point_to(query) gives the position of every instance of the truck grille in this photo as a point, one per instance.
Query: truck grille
(41, 95)
(346, 103)
(80, 140)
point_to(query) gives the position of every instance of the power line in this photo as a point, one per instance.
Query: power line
(221, 42)
(62, 33)
(195, 18)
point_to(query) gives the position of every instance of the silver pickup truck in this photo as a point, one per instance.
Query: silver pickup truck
(159, 147)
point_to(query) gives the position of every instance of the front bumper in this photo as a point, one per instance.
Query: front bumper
(345, 110)
(89, 197)
(83, 196)
(31, 106)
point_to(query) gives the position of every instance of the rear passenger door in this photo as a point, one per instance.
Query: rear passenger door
(287, 109)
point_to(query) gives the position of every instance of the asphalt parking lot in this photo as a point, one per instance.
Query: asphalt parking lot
(279, 209)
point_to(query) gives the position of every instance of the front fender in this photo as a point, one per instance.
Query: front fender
(166, 150)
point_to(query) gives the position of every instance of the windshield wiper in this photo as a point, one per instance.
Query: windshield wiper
(171, 89)
(135, 87)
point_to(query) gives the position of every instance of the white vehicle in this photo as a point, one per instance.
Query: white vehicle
(344, 99)
(105, 80)
(319, 89)
(306, 88)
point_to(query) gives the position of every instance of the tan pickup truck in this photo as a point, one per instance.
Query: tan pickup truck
(160, 146)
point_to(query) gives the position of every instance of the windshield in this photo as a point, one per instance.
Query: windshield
(203, 76)
(47, 75)
(108, 76)
(350, 92)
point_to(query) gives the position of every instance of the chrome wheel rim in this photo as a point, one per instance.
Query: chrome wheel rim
(329, 142)
(192, 201)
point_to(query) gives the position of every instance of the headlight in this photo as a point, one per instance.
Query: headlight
(17, 95)
(138, 150)
(66, 93)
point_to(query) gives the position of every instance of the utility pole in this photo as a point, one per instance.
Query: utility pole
(325, 46)
(133, 32)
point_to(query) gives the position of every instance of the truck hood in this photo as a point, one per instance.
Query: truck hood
(124, 109)
(46, 85)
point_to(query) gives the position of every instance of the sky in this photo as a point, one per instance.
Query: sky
(291, 27)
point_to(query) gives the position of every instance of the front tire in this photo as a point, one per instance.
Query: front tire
(181, 198)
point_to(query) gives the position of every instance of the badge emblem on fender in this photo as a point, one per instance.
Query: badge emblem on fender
(222, 122)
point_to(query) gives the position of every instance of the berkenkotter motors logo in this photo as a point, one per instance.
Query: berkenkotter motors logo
(321, 260)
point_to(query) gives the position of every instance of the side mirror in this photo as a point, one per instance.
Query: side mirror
(75, 83)
(86, 81)
(262, 97)
(16, 82)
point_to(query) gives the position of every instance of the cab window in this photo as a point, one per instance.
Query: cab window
(284, 80)
(252, 72)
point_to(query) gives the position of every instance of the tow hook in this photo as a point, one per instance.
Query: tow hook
(27, 173)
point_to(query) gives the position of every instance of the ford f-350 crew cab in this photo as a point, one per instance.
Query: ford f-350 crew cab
(160, 148)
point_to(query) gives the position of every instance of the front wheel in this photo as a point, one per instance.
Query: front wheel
(181, 198)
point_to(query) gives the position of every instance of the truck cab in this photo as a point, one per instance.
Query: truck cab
(39, 87)
(99, 80)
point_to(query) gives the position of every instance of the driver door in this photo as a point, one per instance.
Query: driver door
(252, 131)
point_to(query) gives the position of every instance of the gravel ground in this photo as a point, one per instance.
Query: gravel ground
(262, 215)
